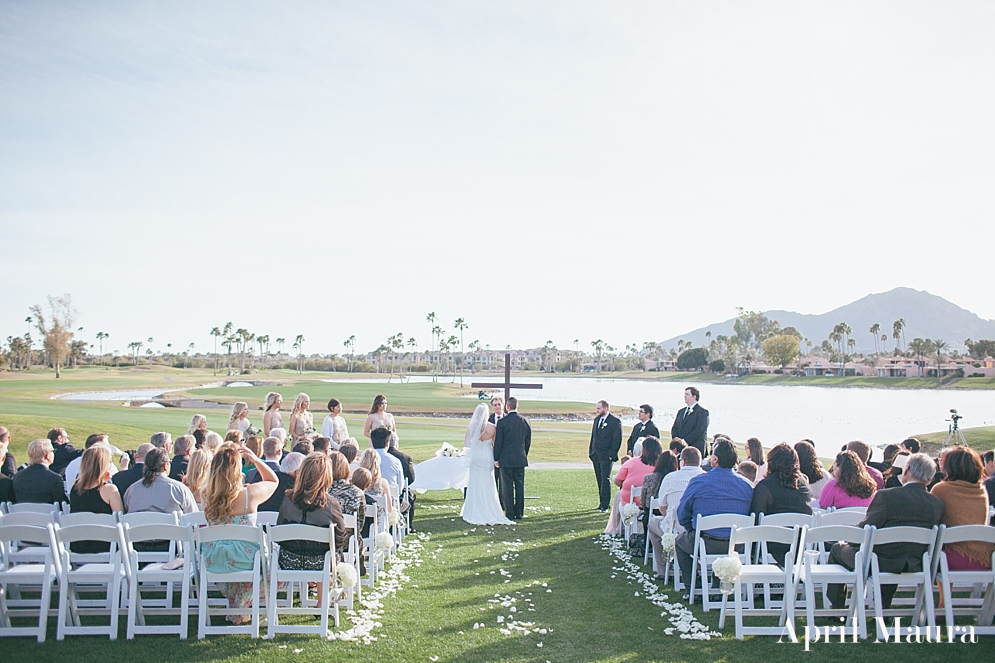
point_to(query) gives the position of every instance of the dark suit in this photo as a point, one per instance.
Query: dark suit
(641, 429)
(178, 467)
(692, 428)
(284, 483)
(908, 506)
(64, 454)
(125, 478)
(36, 483)
(408, 467)
(606, 440)
(253, 475)
(9, 465)
(6, 488)
(511, 450)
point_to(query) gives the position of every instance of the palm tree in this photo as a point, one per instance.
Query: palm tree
(351, 344)
(299, 346)
(262, 343)
(875, 330)
(149, 352)
(189, 350)
(430, 319)
(437, 331)
(412, 344)
(599, 349)
(216, 333)
(939, 345)
(227, 341)
(452, 341)
(461, 325)
(100, 339)
(898, 331)
(280, 342)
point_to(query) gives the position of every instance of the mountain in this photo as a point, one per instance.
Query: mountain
(926, 316)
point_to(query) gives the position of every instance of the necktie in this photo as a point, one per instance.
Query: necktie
(687, 413)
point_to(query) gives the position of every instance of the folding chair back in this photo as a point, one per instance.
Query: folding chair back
(257, 576)
(701, 562)
(979, 585)
(197, 519)
(922, 580)
(109, 572)
(294, 578)
(87, 518)
(786, 519)
(32, 507)
(816, 571)
(159, 577)
(14, 576)
(839, 517)
(149, 518)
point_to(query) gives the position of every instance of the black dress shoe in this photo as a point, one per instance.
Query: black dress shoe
(603, 509)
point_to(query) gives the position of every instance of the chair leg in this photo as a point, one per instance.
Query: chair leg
(46, 602)
(738, 605)
(63, 608)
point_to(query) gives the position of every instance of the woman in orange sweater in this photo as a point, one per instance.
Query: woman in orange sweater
(966, 503)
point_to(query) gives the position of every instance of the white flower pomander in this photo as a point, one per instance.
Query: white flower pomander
(668, 542)
(346, 574)
(727, 568)
(629, 511)
(393, 518)
(383, 541)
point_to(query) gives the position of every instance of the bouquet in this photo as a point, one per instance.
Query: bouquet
(727, 570)
(449, 451)
(393, 518)
(346, 574)
(383, 541)
(253, 431)
(629, 512)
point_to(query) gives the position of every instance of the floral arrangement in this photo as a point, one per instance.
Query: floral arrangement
(383, 541)
(727, 570)
(346, 574)
(393, 518)
(253, 431)
(668, 542)
(629, 512)
(449, 451)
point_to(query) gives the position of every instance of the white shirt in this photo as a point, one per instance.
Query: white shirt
(671, 491)
(390, 469)
(72, 471)
(330, 425)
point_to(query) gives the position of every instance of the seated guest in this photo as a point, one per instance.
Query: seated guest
(665, 464)
(272, 454)
(634, 470)
(965, 502)
(36, 483)
(65, 452)
(280, 433)
(93, 492)
(362, 479)
(227, 500)
(989, 460)
(911, 445)
(863, 451)
(156, 491)
(198, 437)
(670, 493)
(755, 453)
(72, 469)
(808, 462)
(253, 443)
(285, 478)
(303, 447)
(851, 484)
(196, 474)
(783, 490)
(349, 497)
(889, 453)
(322, 445)
(390, 467)
(212, 442)
(408, 469)
(676, 446)
(908, 506)
(748, 469)
(350, 452)
(378, 485)
(719, 490)
(309, 503)
(8, 464)
(125, 478)
(235, 437)
(183, 447)
(895, 469)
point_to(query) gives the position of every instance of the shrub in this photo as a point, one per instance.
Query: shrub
(717, 366)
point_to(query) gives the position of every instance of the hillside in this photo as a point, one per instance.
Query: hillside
(926, 316)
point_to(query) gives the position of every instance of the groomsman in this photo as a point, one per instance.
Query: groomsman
(606, 440)
(691, 423)
(498, 404)
(645, 428)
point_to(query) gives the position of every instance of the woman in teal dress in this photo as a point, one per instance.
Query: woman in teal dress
(228, 501)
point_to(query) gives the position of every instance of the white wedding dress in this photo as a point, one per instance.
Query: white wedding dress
(481, 506)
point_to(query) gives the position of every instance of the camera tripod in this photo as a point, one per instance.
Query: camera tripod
(955, 430)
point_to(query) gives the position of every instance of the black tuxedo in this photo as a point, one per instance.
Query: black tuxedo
(178, 467)
(641, 429)
(606, 440)
(64, 454)
(408, 467)
(692, 428)
(6, 488)
(9, 465)
(511, 452)
(125, 478)
(36, 483)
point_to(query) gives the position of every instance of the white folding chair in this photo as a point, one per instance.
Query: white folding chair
(842, 517)
(296, 578)
(978, 585)
(196, 519)
(815, 571)
(789, 520)
(762, 573)
(257, 576)
(922, 605)
(32, 507)
(351, 557)
(368, 549)
(3, 507)
(14, 575)
(701, 561)
(264, 518)
(26, 554)
(109, 574)
(633, 525)
(159, 577)
(654, 505)
(87, 518)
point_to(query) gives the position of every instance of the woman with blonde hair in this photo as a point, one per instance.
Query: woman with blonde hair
(94, 492)
(228, 501)
(301, 420)
(235, 437)
(370, 461)
(212, 442)
(199, 422)
(239, 419)
(271, 413)
(196, 476)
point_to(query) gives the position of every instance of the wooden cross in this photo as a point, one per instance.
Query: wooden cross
(507, 384)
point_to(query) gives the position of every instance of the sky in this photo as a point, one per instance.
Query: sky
(622, 171)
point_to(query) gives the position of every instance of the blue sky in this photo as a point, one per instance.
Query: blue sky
(555, 170)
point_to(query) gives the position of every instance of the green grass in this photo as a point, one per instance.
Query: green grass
(591, 617)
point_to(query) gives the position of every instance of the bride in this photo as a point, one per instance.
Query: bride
(481, 506)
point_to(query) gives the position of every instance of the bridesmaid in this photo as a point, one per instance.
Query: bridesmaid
(272, 417)
(379, 418)
(334, 427)
(239, 419)
(301, 420)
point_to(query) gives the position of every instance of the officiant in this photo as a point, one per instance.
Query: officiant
(645, 428)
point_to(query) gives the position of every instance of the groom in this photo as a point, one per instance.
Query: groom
(511, 452)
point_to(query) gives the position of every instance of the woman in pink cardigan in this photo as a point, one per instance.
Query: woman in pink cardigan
(851, 485)
(634, 470)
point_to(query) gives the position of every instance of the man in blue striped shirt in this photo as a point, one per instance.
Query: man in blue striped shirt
(720, 490)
